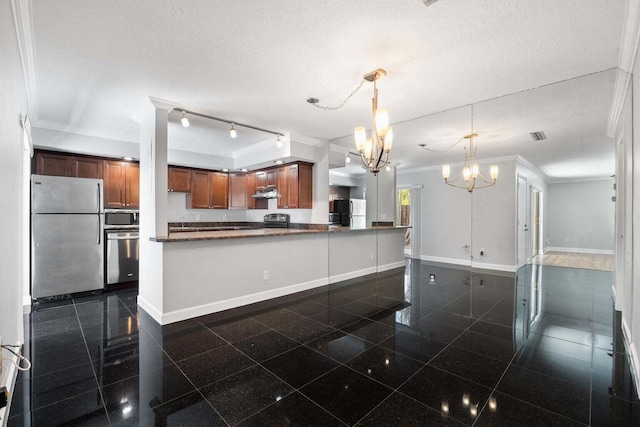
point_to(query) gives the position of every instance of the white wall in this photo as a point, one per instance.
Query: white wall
(12, 191)
(494, 217)
(580, 216)
(447, 213)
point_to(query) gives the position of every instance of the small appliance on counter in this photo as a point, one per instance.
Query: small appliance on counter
(67, 241)
(334, 218)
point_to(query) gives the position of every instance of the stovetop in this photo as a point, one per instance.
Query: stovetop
(276, 220)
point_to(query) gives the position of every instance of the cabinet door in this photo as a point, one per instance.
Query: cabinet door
(86, 167)
(114, 179)
(292, 184)
(238, 185)
(261, 180)
(53, 164)
(272, 178)
(179, 179)
(305, 186)
(283, 188)
(251, 189)
(132, 185)
(220, 190)
(200, 189)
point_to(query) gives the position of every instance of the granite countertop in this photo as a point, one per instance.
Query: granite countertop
(203, 233)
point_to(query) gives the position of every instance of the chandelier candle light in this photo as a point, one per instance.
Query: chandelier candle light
(374, 151)
(470, 171)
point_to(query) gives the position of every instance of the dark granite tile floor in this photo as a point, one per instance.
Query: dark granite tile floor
(390, 349)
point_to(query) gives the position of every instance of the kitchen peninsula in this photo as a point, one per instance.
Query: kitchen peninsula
(210, 271)
(189, 274)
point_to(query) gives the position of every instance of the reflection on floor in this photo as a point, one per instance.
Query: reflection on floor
(575, 260)
(421, 346)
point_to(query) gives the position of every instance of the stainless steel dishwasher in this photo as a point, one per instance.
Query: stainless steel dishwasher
(122, 255)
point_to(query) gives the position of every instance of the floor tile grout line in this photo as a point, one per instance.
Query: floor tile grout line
(93, 369)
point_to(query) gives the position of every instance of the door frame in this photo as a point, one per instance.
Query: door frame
(522, 233)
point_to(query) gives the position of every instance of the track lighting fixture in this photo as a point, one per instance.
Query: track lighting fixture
(278, 142)
(232, 132)
(184, 120)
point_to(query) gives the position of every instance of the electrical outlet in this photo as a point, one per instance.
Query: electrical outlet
(224, 217)
(265, 275)
(197, 217)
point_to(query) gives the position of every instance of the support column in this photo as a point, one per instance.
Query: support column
(153, 117)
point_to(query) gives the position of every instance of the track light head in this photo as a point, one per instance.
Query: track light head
(232, 132)
(184, 120)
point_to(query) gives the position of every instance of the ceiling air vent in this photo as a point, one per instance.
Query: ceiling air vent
(538, 136)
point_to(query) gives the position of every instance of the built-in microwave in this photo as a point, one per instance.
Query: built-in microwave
(121, 218)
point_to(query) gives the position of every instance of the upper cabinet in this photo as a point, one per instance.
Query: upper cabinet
(179, 179)
(295, 186)
(121, 184)
(238, 191)
(209, 190)
(60, 164)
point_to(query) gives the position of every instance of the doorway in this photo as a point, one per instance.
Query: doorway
(408, 215)
(523, 215)
(536, 223)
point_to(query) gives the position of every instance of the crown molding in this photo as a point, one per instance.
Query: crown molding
(151, 101)
(626, 62)
(576, 180)
(534, 168)
(307, 140)
(59, 127)
(23, 22)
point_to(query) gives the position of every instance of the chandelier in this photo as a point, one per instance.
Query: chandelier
(374, 151)
(470, 171)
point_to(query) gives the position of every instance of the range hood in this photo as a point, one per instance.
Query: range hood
(267, 193)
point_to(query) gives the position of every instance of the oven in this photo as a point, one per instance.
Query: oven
(276, 220)
(334, 218)
(122, 250)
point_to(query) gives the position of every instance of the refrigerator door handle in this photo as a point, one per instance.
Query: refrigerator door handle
(350, 209)
(98, 198)
(99, 229)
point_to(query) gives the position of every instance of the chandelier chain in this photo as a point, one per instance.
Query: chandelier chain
(424, 147)
(326, 108)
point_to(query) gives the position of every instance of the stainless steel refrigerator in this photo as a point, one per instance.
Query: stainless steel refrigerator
(67, 235)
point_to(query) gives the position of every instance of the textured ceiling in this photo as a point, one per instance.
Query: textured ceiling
(257, 62)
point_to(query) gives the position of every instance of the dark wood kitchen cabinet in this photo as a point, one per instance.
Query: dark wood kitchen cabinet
(295, 186)
(238, 190)
(86, 167)
(209, 190)
(260, 180)
(61, 164)
(179, 179)
(252, 202)
(121, 184)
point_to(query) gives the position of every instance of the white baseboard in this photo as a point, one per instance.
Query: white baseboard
(455, 261)
(150, 309)
(633, 355)
(352, 274)
(579, 250)
(467, 263)
(495, 267)
(391, 266)
(214, 307)
(26, 304)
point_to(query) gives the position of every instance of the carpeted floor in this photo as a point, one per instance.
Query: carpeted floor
(576, 260)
